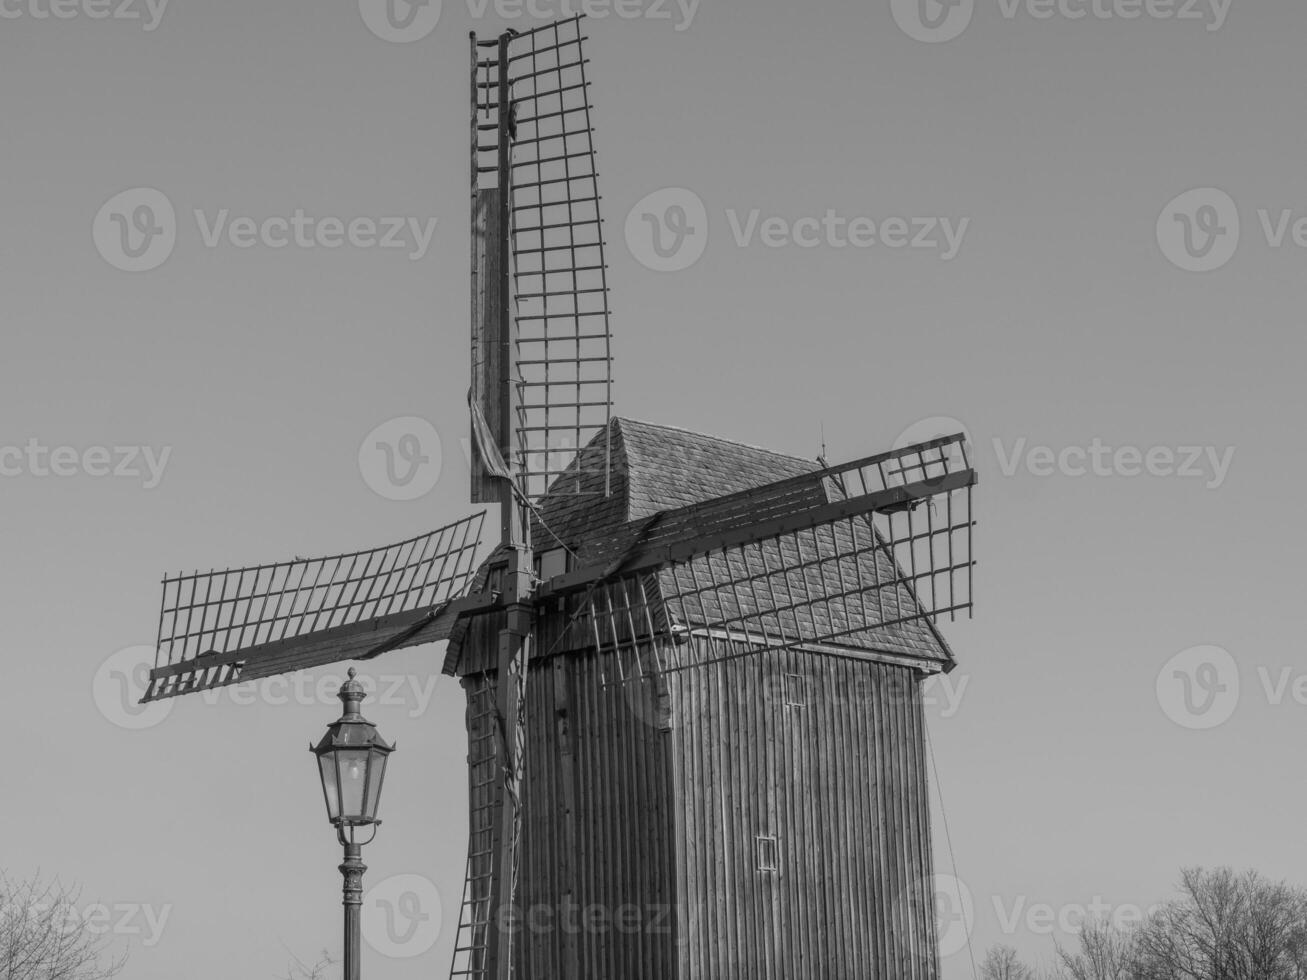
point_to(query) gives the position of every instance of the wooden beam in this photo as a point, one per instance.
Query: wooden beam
(488, 312)
(354, 641)
(700, 536)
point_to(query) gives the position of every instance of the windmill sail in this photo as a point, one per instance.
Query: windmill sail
(533, 142)
(222, 627)
(861, 555)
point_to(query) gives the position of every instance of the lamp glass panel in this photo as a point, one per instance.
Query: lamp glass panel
(353, 781)
(327, 766)
(376, 776)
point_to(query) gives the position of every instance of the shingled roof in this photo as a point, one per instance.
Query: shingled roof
(654, 468)
(658, 468)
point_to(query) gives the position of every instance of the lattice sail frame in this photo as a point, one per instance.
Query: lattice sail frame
(560, 302)
(221, 627)
(883, 557)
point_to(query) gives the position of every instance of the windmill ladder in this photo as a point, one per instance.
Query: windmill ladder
(471, 956)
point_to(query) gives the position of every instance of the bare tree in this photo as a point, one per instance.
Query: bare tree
(1002, 963)
(1226, 926)
(1104, 953)
(42, 937)
(321, 970)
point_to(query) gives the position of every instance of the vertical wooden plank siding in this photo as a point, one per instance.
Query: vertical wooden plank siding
(645, 803)
(596, 888)
(825, 754)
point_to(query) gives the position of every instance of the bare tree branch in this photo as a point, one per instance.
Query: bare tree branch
(42, 937)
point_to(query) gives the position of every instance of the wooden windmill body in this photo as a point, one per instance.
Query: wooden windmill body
(693, 668)
(700, 803)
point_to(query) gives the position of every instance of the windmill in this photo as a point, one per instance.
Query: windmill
(692, 668)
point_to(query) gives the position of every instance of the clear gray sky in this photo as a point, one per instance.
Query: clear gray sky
(1069, 772)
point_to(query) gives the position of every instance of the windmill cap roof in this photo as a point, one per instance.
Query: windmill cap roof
(653, 468)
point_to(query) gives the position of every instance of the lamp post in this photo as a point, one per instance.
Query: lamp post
(352, 764)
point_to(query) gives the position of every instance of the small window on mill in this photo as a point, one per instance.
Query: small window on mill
(796, 691)
(768, 855)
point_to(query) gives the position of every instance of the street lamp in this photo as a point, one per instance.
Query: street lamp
(352, 764)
